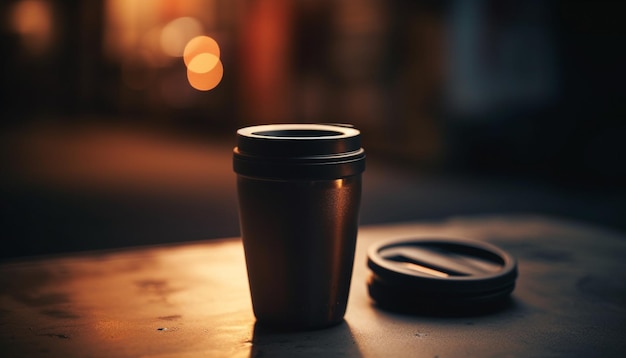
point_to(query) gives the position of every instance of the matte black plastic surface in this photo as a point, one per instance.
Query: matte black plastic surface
(439, 273)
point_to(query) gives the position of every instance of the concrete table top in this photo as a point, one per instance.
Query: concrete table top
(192, 300)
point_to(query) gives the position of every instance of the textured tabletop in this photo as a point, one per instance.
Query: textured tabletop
(192, 300)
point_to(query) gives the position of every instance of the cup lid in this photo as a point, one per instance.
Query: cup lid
(307, 151)
(439, 273)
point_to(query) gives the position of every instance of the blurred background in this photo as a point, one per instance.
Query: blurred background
(467, 107)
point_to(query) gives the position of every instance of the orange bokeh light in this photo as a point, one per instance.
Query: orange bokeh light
(203, 63)
(199, 45)
(206, 81)
(202, 58)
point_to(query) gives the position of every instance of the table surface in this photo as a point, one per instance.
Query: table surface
(192, 299)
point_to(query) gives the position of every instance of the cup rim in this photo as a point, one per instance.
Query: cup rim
(341, 131)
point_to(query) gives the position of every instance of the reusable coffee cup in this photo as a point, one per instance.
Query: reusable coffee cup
(299, 189)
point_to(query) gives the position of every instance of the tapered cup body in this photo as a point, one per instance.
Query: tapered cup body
(299, 239)
(299, 189)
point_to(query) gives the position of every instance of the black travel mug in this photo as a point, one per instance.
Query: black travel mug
(299, 189)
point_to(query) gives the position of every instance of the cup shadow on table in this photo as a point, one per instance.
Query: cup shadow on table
(269, 342)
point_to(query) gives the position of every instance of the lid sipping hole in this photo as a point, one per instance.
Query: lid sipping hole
(421, 269)
(423, 266)
(452, 263)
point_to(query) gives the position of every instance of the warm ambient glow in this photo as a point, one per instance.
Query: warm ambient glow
(177, 33)
(147, 37)
(204, 68)
(32, 20)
